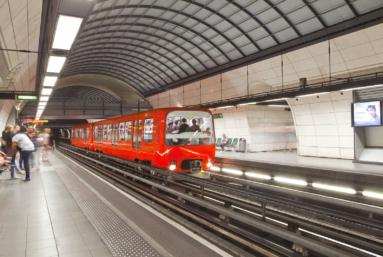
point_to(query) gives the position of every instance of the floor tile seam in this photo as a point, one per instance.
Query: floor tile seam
(112, 215)
(50, 219)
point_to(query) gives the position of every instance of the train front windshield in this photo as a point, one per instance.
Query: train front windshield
(189, 128)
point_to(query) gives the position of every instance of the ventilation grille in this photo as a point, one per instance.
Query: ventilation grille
(369, 94)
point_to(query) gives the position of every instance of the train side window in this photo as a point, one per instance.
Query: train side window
(76, 133)
(122, 131)
(128, 130)
(87, 133)
(105, 132)
(95, 132)
(109, 132)
(148, 130)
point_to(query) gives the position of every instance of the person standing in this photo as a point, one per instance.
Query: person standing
(30, 133)
(46, 136)
(184, 127)
(22, 141)
(7, 137)
(38, 142)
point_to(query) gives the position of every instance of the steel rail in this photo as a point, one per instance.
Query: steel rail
(287, 235)
(311, 196)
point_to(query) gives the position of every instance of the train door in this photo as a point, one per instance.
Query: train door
(112, 140)
(95, 137)
(128, 150)
(104, 138)
(120, 139)
(134, 143)
(115, 139)
(148, 145)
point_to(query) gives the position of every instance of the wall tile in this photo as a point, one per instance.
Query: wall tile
(308, 151)
(329, 152)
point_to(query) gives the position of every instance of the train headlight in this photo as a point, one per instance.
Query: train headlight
(209, 163)
(173, 165)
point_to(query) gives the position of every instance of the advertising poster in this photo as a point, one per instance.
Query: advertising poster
(367, 114)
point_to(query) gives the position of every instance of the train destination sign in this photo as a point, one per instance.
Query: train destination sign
(27, 97)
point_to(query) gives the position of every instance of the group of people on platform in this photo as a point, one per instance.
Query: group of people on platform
(22, 148)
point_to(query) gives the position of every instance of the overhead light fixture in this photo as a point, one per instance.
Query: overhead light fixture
(66, 31)
(372, 194)
(41, 107)
(356, 88)
(274, 105)
(314, 94)
(46, 91)
(247, 104)
(44, 98)
(55, 64)
(42, 103)
(49, 81)
(215, 168)
(224, 107)
(236, 172)
(335, 188)
(256, 175)
(291, 181)
(279, 99)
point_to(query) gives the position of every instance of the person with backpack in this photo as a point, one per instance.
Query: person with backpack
(22, 141)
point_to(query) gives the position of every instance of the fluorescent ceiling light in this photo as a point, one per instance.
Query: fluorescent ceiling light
(41, 107)
(46, 91)
(50, 81)
(44, 98)
(55, 64)
(224, 107)
(255, 175)
(279, 99)
(215, 168)
(372, 194)
(335, 188)
(237, 172)
(291, 181)
(274, 105)
(247, 103)
(314, 94)
(361, 88)
(42, 103)
(66, 31)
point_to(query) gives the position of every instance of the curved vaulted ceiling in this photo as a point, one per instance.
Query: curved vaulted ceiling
(151, 44)
(81, 94)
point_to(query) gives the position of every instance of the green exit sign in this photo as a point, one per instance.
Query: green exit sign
(27, 97)
(218, 116)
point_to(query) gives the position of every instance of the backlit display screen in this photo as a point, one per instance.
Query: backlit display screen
(367, 114)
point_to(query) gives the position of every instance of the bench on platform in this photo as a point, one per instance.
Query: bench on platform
(232, 143)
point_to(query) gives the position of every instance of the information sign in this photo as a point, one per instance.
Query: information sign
(217, 116)
(27, 97)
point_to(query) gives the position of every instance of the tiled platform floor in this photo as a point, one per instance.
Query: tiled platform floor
(292, 158)
(40, 218)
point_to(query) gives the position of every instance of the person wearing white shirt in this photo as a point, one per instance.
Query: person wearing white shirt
(23, 141)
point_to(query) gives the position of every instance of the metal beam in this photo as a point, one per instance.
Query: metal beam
(346, 27)
(298, 91)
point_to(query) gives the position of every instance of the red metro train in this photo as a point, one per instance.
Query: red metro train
(147, 138)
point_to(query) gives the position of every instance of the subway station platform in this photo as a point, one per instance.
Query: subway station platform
(65, 210)
(292, 159)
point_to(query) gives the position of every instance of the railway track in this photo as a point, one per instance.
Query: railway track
(259, 219)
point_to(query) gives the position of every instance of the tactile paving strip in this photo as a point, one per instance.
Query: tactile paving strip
(117, 235)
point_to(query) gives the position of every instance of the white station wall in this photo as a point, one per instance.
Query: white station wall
(323, 125)
(265, 128)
